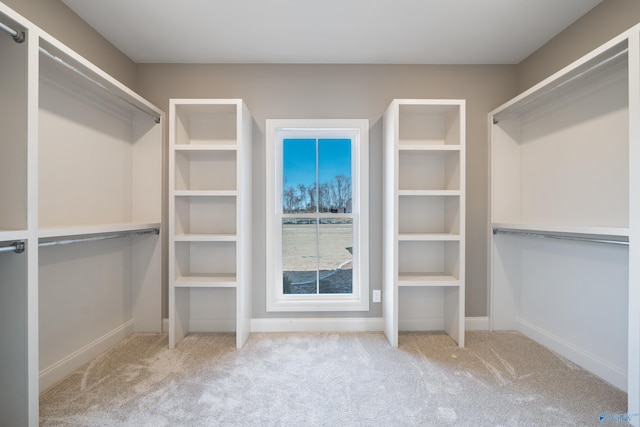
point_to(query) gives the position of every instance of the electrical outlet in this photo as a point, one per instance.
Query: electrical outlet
(377, 295)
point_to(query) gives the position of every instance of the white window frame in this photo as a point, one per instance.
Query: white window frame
(358, 131)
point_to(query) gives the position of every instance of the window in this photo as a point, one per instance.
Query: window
(317, 215)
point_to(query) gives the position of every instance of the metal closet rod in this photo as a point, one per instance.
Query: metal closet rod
(18, 36)
(560, 236)
(19, 246)
(105, 236)
(65, 64)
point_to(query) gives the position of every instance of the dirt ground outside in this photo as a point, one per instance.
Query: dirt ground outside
(304, 252)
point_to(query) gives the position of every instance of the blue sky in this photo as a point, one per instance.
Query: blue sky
(299, 160)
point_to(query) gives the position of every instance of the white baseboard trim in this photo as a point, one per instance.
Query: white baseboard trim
(476, 323)
(54, 373)
(342, 324)
(365, 324)
(590, 362)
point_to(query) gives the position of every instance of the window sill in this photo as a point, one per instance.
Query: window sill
(307, 305)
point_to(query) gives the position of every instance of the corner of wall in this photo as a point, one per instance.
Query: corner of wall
(600, 24)
(58, 20)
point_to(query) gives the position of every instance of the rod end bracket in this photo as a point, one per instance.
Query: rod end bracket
(19, 37)
(19, 247)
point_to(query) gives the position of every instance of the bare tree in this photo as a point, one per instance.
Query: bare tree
(289, 199)
(342, 186)
(312, 197)
(327, 195)
(324, 197)
(347, 191)
(302, 198)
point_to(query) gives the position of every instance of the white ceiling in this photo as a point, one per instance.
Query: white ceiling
(330, 31)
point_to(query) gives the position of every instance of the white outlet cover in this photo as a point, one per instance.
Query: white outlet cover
(376, 295)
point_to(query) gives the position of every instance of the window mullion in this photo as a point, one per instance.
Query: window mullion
(317, 222)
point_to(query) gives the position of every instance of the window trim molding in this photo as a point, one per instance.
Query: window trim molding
(276, 130)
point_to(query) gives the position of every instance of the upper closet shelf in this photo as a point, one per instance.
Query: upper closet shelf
(611, 54)
(11, 235)
(59, 61)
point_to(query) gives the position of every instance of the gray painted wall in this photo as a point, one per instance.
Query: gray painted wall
(61, 22)
(349, 91)
(362, 91)
(603, 22)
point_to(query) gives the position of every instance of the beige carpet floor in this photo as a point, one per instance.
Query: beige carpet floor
(330, 379)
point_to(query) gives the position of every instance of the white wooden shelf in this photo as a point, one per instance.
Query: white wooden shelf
(428, 148)
(10, 235)
(205, 193)
(206, 238)
(424, 243)
(73, 66)
(584, 70)
(207, 281)
(206, 147)
(209, 212)
(428, 237)
(427, 280)
(429, 193)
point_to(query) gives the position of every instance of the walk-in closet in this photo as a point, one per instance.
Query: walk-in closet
(565, 203)
(171, 253)
(80, 218)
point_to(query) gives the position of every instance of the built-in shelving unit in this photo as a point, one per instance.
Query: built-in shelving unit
(424, 160)
(564, 198)
(209, 209)
(80, 198)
